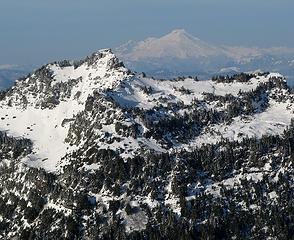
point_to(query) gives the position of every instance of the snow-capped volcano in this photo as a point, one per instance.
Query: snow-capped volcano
(179, 52)
(177, 44)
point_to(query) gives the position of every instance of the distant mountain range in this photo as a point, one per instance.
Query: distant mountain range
(181, 53)
(9, 73)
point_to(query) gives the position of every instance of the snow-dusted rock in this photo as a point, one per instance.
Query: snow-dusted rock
(91, 150)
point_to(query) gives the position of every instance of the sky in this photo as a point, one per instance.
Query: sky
(40, 31)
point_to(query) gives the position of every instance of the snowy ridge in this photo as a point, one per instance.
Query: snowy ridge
(47, 106)
(65, 81)
(91, 150)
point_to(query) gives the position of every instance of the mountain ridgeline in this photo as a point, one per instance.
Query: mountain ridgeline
(91, 150)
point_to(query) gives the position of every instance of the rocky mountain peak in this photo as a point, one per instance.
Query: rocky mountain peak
(67, 80)
(91, 151)
(103, 59)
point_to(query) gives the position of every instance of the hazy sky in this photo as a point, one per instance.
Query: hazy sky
(38, 31)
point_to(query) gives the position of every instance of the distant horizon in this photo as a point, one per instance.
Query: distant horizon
(31, 67)
(42, 31)
(12, 65)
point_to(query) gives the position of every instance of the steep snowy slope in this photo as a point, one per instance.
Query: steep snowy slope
(40, 106)
(90, 150)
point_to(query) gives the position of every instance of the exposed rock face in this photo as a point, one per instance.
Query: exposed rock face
(90, 150)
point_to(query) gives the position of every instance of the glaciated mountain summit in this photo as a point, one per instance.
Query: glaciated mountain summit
(179, 53)
(91, 150)
(177, 43)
